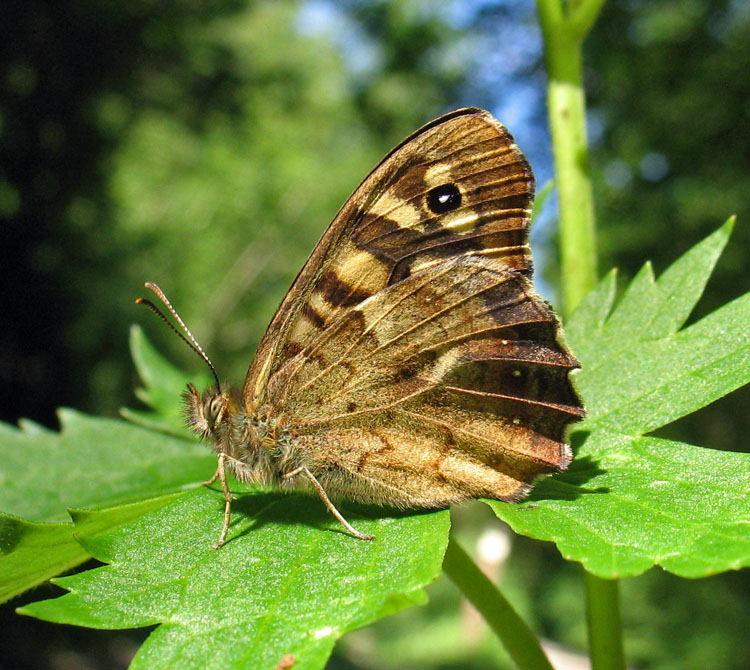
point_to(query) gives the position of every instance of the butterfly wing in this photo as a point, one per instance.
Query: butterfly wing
(412, 362)
(450, 384)
(389, 227)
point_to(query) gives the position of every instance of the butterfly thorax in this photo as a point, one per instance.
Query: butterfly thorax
(258, 447)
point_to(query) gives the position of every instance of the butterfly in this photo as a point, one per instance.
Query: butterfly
(411, 364)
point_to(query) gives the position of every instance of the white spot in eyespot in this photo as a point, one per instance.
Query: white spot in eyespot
(504, 341)
(516, 420)
(516, 373)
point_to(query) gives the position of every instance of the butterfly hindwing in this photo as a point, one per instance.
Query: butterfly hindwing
(451, 383)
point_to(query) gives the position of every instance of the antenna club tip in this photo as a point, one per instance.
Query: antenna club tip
(139, 301)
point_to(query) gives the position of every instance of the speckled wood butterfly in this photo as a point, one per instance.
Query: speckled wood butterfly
(411, 364)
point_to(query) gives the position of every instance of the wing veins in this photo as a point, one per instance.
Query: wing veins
(449, 427)
(429, 385)
(457, 341)
(490, 252)
(484, 229)
(445, 309)
(457, 140)
(335, 363)
(565, 409)
(475, 157)
(466, 433)
(474, 333)
(364, 332)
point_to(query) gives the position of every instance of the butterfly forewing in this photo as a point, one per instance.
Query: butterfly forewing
(458, 184)
(411, 362)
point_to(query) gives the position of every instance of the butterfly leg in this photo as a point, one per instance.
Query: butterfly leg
(327, 502)
(212, 480)
(221, 475)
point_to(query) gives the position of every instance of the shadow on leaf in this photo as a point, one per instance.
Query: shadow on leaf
(569, 485)
(299, 508)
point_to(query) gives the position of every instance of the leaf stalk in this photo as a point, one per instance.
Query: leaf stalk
(516, 636)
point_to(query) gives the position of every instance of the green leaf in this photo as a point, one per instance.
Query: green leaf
(638, 372)
(32, 552)
(279, 586)
(648, 309)
(596, 306)
(90, 462)
(629, 501)
(662, 380)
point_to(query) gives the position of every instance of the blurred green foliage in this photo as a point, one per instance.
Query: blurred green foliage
(669, 116)
(205, 148)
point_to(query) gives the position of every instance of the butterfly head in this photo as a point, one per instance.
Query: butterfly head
(208, 414)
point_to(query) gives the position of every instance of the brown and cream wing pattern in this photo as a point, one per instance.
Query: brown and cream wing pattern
(449, 384)
(457, 185)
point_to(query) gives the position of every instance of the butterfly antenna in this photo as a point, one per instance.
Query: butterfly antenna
(189, 340)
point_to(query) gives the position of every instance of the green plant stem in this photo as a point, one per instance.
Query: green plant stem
(604, 622)
(516, 636)
(563, 39)
(577, 241)
(564, 27)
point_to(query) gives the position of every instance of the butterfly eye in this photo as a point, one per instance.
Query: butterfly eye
(215, 408)
(445, 198)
